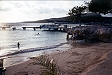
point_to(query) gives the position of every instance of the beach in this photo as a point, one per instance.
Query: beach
(67, 38)
(81, 59)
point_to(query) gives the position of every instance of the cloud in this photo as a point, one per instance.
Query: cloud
(35, 10)
(4, 9)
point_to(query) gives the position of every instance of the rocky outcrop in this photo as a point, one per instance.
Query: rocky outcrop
(94, 33)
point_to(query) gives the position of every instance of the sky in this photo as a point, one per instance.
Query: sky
(19, 10)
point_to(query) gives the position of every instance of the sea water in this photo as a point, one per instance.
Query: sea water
(32, 43)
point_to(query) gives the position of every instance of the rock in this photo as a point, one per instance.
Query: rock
(95, 33)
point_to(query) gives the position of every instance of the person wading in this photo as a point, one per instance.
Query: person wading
(18, 44)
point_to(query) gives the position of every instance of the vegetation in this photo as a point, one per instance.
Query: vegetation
(75, 13)
(100, 6)
(96, 6)
(50, 65)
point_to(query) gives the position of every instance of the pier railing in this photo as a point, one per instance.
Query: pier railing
(4, 27)
(24, 28)
(56, 27)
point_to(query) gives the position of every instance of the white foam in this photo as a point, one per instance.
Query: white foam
(34, 49)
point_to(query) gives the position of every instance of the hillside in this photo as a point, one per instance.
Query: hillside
(87, 18)
(62, 19)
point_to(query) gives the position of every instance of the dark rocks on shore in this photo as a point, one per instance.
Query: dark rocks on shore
(94, 33)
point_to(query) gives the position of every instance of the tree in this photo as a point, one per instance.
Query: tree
(75, 13)
(101, 6)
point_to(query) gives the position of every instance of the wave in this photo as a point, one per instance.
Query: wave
(34, 49)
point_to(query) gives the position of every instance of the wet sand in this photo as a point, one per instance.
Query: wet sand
(81, 59)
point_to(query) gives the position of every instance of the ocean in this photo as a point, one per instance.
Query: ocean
(31, 43)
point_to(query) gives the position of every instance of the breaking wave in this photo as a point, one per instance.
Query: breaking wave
(34, 49)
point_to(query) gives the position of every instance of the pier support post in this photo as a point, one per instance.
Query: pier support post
(40, 26)
(56, 29)
(24, 28)
(14, 28)
(3, 28)
(34, 28)
(67, 36)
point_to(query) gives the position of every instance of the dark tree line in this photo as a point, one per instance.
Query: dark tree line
(96, 6)
(75, 13)
(101, 6)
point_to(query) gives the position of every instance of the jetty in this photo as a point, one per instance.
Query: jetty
(4, 27)
(55, 27)
(24, 28)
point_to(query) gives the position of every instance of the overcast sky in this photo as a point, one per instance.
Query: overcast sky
(17, 11)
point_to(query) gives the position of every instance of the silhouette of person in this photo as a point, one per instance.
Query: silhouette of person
(18, 44)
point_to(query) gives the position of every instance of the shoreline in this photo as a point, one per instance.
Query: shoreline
(20, 58)
(74, 61)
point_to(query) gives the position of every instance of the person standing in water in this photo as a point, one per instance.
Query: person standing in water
(18, 44)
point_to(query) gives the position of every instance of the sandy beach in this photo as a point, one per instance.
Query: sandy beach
(81, 59)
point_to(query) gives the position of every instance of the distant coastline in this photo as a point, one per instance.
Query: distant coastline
(61, 19)
(87, 18)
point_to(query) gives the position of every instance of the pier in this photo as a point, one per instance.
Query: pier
(5, 27)
(34, 28)
(55, 27)
(50, 27)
